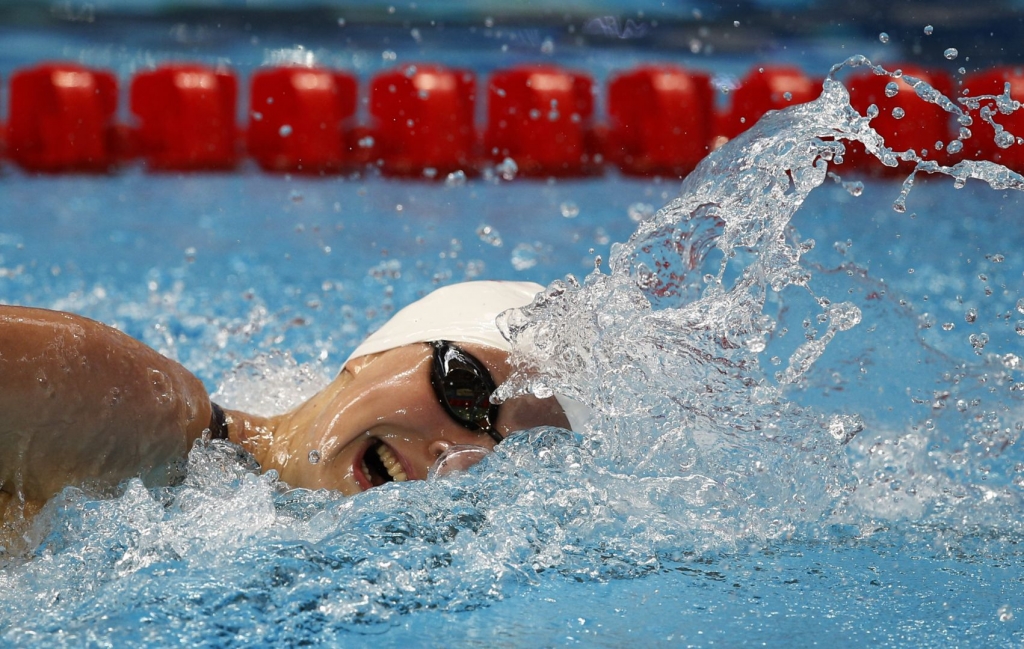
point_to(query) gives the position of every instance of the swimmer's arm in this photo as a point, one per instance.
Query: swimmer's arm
(81, 402)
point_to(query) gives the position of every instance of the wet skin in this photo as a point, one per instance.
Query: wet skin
(84, 404)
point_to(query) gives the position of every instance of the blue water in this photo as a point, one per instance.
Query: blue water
(906, 536)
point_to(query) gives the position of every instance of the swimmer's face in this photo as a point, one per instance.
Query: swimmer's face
(382, 421)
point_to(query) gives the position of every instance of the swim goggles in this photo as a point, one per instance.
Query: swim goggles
(464, 387)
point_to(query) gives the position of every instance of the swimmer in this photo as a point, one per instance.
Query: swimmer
(84, 404)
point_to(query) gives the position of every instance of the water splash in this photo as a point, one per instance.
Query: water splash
(669, 346)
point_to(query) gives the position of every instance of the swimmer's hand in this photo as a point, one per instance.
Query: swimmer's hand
(82, 403)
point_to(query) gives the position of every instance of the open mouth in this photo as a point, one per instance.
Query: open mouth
(380, 465)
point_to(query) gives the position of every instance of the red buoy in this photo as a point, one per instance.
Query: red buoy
(423, 120)
(61, 118)
(982, 144)
(298, 118)
(660, 120)
(904, 120)
(186, 117)
(540, 116)
(765, 88)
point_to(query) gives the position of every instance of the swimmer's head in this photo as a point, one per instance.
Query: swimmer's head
(412, 391)
(465, 312)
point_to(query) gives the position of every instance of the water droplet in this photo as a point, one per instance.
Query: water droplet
(490, 235)
(1020, 305)
(971, 316)
(1019, 328)
(854, 187)
(951, 53)
(978, 342)
(948, 326)
(366, 142)
(295, 196)
(883, 37)
(525, 256)
(898, 113)
(507, 169)
(872, 111)
(569, 209)
(455, 179)
(285, 130)
(955, 147)
(642, 211)
(788, 96)
(892, 89)
(257, 116)
(928, 29)
(547, 47)
(1005, 613)
(314, 457)
(534, 114)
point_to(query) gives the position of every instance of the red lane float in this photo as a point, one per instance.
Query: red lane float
(61, 118)
(302, 119)
(905, 120)
(765, 88)
(540, 116)
(298, 119)
(982, 143)
(186, 118)
(423, 120)
(660, 120)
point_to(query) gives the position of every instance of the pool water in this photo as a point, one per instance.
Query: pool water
(646, 529)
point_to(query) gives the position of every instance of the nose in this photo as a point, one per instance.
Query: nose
(437, 447)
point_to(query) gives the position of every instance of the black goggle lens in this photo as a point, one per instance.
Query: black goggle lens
(464, 387)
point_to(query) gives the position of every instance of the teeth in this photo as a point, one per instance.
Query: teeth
(391, 463)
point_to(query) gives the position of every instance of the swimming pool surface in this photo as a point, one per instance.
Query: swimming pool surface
(909, 535)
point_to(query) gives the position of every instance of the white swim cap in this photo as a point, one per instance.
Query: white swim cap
(466, 313)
